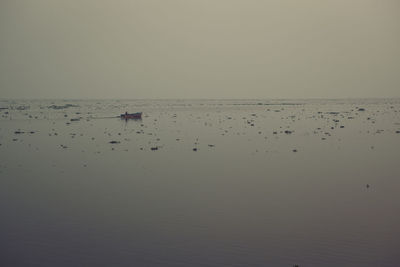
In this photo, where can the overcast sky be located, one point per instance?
(199, 48)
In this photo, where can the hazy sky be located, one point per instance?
(199, 48)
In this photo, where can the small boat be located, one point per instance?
(126, 115)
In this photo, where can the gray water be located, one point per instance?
(228, 183)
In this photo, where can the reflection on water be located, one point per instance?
(200, 183)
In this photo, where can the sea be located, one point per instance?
(253, 182)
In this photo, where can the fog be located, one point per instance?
(199, 49)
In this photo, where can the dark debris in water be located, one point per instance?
(62, 106)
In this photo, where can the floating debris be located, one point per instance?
(63, 106)
(22, 107)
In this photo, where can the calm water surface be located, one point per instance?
(200, 183)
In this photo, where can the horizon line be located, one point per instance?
(272, 98)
